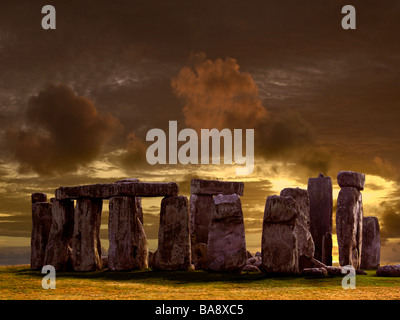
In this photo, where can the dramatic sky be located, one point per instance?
(76, 102)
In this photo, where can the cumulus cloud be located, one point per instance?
(63, 131)
(217, 94)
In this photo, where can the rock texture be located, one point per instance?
(389, 271)
(41, 224)
(314, 272)
(321, 204)
(371, 243)
(201, 210)
(287, 245)
(199, 256)
(250, 268)
(86, 246)
(120, 189)
(38, 197)
(305, 243)
(226, 239)
(58, 250)
(215, 187)
(128, 243)
(351, 179)
(173, 251)
(349, 217)
(279, 243)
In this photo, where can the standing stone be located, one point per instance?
(349, 216)
(279, 242)
(201, 210)
(173, 251)
(58, 250)
(128, 244)
(41, 224)
(371, 243)
(86, 246)
(305, 243)
(321, 203)
(226, 249)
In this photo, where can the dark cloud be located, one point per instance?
(390, 220)
(64, 131)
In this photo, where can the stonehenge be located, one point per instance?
(207, 232)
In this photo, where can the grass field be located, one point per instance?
(19, 282)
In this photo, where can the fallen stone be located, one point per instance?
(128, 243)
(371, 244)
(216, 187)
(41, 224)
(349, 216)
(389, 271)
(360, 272)
(334, 271)
(305, 243)
(257, 254)
(226, 247)
(314, 272)
(126, 189)
(38, 197)
(199, 256)
(201, 210)
(321, 204)
(351, 179)
(86, 245)
(250, 268)
(173, 251)
(58, 250)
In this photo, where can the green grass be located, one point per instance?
(20, 282)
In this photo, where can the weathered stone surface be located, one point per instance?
(201, 210)
(349, 217)
(305, 243)
(38, 197)
(104, 262)
(173, 251)
(41, 224)
(334, 271)
(199, 256)
(287, 245)
(389, 271)
(327, 249)
(128, 243)
(58, 250)
(279, 243)
(250, 268)
(371, 243)
(86, 246)
(216, 187)
(279, 252)
(226, 248)
(314, 272)
(351, 179)
(321, 204)
(120, 189)
(280, 210)
(150, 259)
